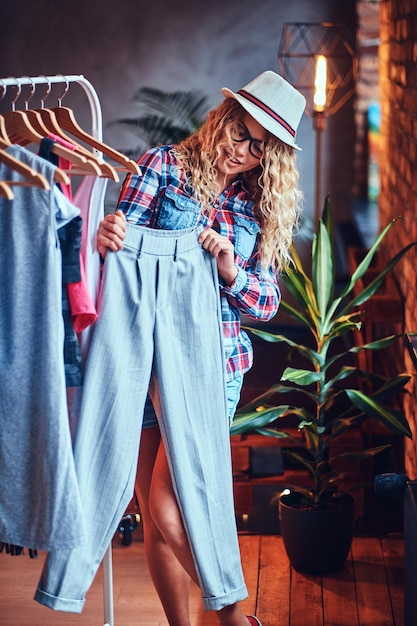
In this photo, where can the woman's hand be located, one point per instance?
(223, 251)
(111, 233)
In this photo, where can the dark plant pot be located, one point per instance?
(317, 541)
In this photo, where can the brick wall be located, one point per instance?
(398, 167)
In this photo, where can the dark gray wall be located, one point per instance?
(186, 44)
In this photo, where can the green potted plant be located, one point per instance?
(165, 117)
(319, 385)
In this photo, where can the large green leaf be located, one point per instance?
(275, 434)
(263, 401)
(391, 386)
(366, 261)
(393, 420)
(300, 377)
(302, 291)
(373, 286)
(327, 219)
(378, 344)
(299, 389)
(331, 331)
(247, 422)
(344, 372)
(360, 455)
(322, 270)
(357, 275)
(300, 284)
(256, 419)
(297, 315)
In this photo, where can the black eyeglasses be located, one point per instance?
(240, 133)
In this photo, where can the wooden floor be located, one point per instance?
(367, 592)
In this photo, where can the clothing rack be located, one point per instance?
(93, 99)
(97, 133)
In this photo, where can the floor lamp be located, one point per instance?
(319, 60)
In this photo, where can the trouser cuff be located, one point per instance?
(59, 604)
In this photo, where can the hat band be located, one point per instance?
(267, 110)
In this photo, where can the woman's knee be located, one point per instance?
(163, 504)
(150, 441)
(168, 522)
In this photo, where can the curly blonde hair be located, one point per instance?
(273, 184)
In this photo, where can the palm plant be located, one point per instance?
(166, 117)
(328, 316)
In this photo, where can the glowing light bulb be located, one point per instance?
(320, 83)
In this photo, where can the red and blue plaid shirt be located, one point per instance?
(161, 198)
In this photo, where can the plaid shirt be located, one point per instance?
(161, 198)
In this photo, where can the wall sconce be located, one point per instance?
(319, 60)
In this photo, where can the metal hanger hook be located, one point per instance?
(32, 91)
(60, 99)
(47, 92)
(19, 91)
(4, 89)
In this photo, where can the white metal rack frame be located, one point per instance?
(93, 99)
(97, 133)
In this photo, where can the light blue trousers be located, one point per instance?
(159, 328)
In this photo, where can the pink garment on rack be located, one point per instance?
(83, 310)
(89, 199)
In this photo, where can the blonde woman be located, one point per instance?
(236, 183)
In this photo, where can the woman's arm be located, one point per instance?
(255, 292)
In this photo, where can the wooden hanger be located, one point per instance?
(3, 133)
(67, 121)
(89, 164)
(51, 124)
(61, 118)
(6, 191)
(33, 177)
(18, 126)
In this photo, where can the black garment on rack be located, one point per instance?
(70, 242)
(10, 548)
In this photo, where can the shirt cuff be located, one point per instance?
(238, 284)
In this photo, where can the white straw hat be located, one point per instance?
(274, 103)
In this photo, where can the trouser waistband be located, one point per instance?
(161, 242)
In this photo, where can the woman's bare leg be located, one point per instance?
(167, 550)
(169, 577)
(166, 515)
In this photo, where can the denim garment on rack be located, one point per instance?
(39, 489)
